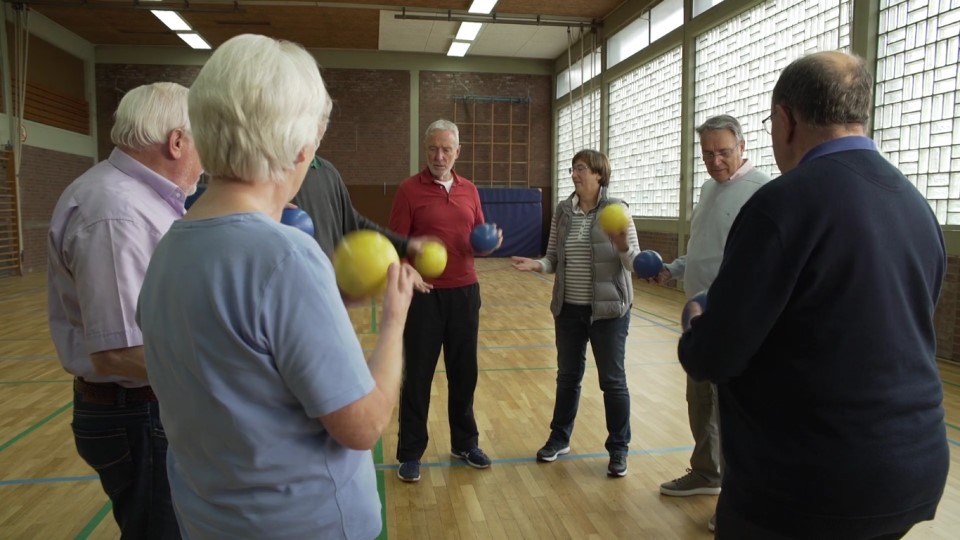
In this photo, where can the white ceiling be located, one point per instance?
(505, 40)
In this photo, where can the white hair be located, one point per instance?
(442, 125)
(147, 114)
(255, 105)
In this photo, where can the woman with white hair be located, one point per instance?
(269, 405)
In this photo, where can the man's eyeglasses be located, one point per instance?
(579, 168)
(723, 154)
(766, 123)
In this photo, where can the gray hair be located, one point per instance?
(147, 114)
(826, 89)
(442, 125)
(255, 105)
(723, 121)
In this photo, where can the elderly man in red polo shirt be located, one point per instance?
(440, 203)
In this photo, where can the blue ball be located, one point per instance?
(484, 238)
(298, 219)
(700, 299)
(647, 264)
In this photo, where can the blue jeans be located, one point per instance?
(608, 339)
(127, 446)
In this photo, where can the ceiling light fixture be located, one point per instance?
(194, 40)
(468, 31)
(482, 6)
(172, 20)
(458, 48)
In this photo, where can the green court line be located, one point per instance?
(954, 426)
(373, 316)
(38, 382)
(32, 428)
(381, 488)
(94, 522)
(950, 383)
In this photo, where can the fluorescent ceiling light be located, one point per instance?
(482, 6)
(468, 31)
(458, 48)
(172, 20)
(195, 41)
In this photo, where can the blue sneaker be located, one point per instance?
(409, 471)
(474, 458)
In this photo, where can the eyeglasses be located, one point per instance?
(723, 154)
(579, 168)
(767, 123)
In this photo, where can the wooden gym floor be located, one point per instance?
(46, 491)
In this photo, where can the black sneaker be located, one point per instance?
(618, 465)
(409, 471)
(474, 458)
(552, 450)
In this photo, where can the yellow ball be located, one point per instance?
(613, 218)
(432, 260)
(361, 261)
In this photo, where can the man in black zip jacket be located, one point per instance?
(819, 329)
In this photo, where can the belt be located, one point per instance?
(111, 393)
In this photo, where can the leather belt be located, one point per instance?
(111, 393)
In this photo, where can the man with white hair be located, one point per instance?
(103, 232)
(440, 203)
(733, 180)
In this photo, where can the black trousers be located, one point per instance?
(447, 319)
(731, 525)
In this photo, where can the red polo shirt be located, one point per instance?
(424, 208)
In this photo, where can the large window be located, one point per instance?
(917, 110)
(644, 139)
(578, 127)
(579, 73)
(738, 62)
(649, 27)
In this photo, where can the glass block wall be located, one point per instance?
(916, 106)
(578, 127)
(738, 63)
(644, 137)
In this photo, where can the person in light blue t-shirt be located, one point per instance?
(269, 405)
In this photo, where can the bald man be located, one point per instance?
(819, 329)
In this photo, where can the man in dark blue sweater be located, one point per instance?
(819, 329)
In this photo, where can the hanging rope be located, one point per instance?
(593, 70)
(583, 101)
(21, 46)
(570, 87)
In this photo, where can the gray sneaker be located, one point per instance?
(689, 484)
(618, 465)
(552, 450)
(409, 471)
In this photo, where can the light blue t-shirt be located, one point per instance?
(247, 342)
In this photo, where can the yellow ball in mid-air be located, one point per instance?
(361, 261)
(432, 261)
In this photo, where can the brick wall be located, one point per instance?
(368, 138)
(437, 90)
(43, 176)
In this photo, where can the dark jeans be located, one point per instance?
(608, 339)
(127, 446)
(447, 318)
